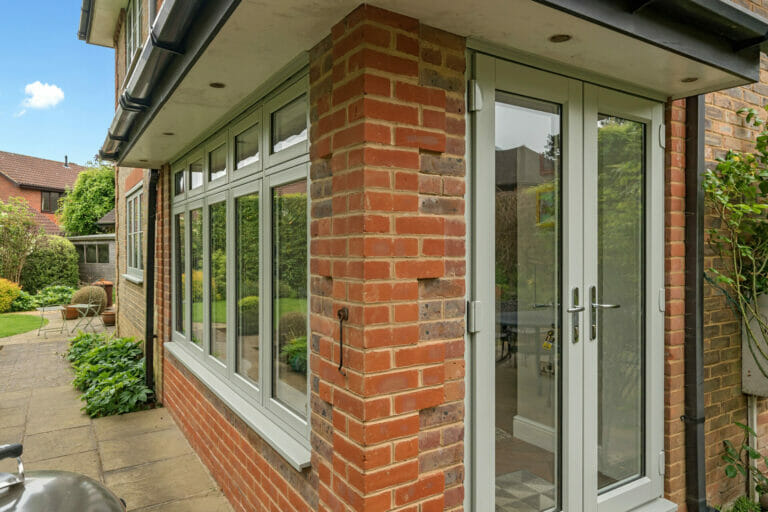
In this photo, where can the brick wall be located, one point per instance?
(388, 242)
(674, 317)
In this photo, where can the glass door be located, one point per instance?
(527, 193)
(567, 331)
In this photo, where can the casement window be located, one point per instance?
(50, 201)
(240, 267)
(134, 234)
(132, 32)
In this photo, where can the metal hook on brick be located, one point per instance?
(343, 314)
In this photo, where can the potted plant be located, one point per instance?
(737, 192)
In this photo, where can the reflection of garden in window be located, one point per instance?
(247, 236)
(196, 269)
(218, 280)
(181, 273)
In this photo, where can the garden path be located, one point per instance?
(142, 457)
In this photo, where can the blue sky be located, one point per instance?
(38, 43)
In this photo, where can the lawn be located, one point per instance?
(11, 324)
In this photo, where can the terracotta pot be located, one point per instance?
(764, 501)
(108, 316)
(70, 313)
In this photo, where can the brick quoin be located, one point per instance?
(388, 243)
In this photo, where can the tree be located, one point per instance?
(19, 235)
(92, 197)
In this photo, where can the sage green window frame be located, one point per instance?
(134, 234)
(281, 427)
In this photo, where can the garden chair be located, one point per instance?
(43, 310)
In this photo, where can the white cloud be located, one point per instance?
(40, 95)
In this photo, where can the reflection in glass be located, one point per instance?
(289, 294)
(289, 124)
(103, 253)
(247, 236)
(90, 253)
(178, 182)
(217, 162)
(621, 146)
(196, 174)
(218, 284)
(181, 275)
(527, 287)
(196, 269)
(247, 147)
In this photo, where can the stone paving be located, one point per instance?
(142, 457)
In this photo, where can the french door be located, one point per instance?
(566, 294)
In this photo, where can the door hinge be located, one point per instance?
(662, 136)
(662, 300)
(475, 96)
(662, 463)
(474, 316)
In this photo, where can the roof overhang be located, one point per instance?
(660, 49)
(98, 20)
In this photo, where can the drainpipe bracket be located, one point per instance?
(694, 420)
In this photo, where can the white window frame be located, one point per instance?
(134, 235)
(286, 431)
(132, 34)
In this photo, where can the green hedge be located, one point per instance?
(53, 262)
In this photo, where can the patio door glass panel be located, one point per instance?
(527, 312)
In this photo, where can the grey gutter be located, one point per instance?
(86, 13)
(695, 409)
(181, 32)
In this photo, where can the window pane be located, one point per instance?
(181, 276)
(621, 349)
(217, 162)
(196, 269)
(103, 253)
(289, 295)
(178, 180)
(80, 253)
(289, 124)
(196, 174)
(247, 227)
(90, 254)
(218, 284)
(247, 147)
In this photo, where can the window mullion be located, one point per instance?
(265, 291)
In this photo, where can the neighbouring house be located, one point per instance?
(40, 182)
(96, 256)
(106, 224)
(429, 255)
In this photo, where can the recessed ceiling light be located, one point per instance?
(560, 38)
(689, 79)
(168, 133)
(217, 85)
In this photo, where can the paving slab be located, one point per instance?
(58, 443)
(115, 427)
(131, 451)
(86, 463)
(160, 482)
(215, 503)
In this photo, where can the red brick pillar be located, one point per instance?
(388, 241)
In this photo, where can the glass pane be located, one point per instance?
(527, 288)
(218, 285)
(181, 275)
(289, 124)
(247, 147)
(103, 253)
(247, 227)
(196, 269)
(90, 254)
(289, 294)
(217, 162)
(621, 241)
(80, 253)
(178, 180)
(196, 174)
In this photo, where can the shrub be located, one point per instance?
(54, 295)
(23, 302)
(292, 325)
(52, 262)
(110, 372)
(91, 294)
(249, 314)
(743, 504)
(295, 353)
(8, 293)
(92, 197)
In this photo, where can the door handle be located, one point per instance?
(575, 309)
(594, 306)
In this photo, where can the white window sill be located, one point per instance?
(133, 279)
(296, 453)
(657, 505)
